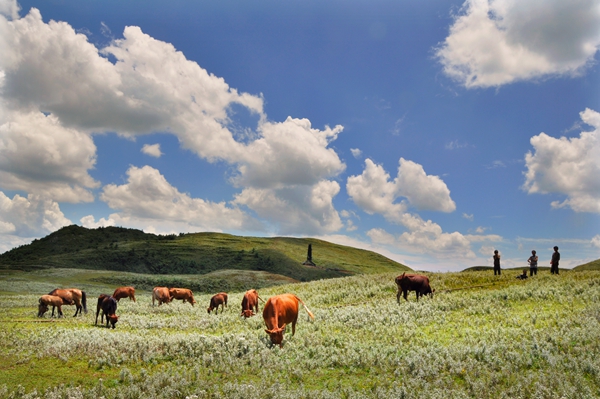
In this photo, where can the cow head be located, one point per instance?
(276, 335)
(209, 309)
(247, 313)
(113, 318)
(43, 308)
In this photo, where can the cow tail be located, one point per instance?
(260, 298)
(312, 316)
(84, 301)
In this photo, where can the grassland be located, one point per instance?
(480, 336)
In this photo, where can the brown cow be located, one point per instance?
(279, 311)
(108, 305)
(186, 295)
(216, 300)
(124, 292)
(413, 282)
(72, 296)
(47, 300)
(161, 294)
(250, 303)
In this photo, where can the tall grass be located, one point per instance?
(480, 336)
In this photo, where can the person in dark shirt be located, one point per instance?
(533, 260)
(496, 263)
(554, 261)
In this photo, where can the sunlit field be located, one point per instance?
(479, 337)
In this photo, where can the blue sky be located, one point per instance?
(431, 132)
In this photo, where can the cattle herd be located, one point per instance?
(278, 311)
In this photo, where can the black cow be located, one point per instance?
(108, 305)
(413, 282)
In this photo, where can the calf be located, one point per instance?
(47, 300)
(124, 292)
(108, 305)
(413, 282)
(182, 293)
(250, 303)
(279, 311)
(161, 294)
(216, 300)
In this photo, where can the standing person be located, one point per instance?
(533, 259)
(496, 263)
(554, 261)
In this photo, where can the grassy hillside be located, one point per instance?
(130, 250)
(593, 265)
(481, 336)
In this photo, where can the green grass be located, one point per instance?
(480, 336)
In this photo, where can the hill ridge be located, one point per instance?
(132, 250)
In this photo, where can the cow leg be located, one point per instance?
(398, 296)
(405, 294)
(60, 313)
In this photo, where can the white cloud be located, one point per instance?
(375, 193)
(296, 209)
(153, 87)
(39, 156)
(468, 217)
(496, 42)
(356, 152)
(152, 149)
(568, 166)
(9, 8)
(423, 191)
(289, 153)
(147, 197)
(90, 222)
(596, 241)
(31, 216)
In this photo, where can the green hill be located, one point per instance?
(593, 265)
(130, 250)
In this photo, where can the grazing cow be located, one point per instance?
(279, 311)
(108, 305)
(161, 294)
(47, 300)
(216, 300)
(72, 296)
(413, 282)
(124, 292)
(250, 303)
(182, 293)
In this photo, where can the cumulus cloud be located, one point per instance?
(469, 217)
(152, 149)
(496, 42)
(596, 241)
(374, 192)
(51, 71)
(39, 156)
(148, 197)
(568, 166)
(30, 216)
(296, 209)
(90, 222)
(9, 8)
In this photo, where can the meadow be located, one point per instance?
(480, 336)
